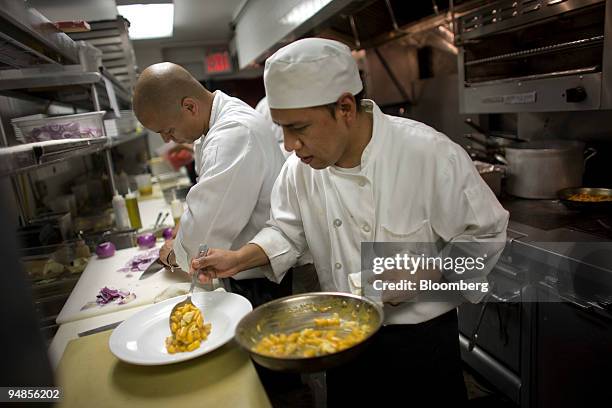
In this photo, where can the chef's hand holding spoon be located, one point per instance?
(216, 263)
(222, 263)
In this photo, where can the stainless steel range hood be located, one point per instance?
(263, 27)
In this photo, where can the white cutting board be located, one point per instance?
(103, 272)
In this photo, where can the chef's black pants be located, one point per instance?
(408, 365)
(261, 290)
(279, 386)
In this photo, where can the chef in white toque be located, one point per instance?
(359, 175)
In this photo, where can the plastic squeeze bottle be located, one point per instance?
(122, 220)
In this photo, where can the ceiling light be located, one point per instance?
(303, 11)
(149, 20)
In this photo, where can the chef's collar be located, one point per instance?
(215, 109)
(378, 127)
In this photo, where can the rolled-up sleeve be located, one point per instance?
(221, 203)
(283, 240)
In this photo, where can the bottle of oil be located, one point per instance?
(131, 204)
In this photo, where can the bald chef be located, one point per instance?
(236, 159)
(360, 175)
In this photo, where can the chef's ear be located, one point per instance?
(190, 105)
(347, 106)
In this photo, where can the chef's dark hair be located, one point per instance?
(331, 107)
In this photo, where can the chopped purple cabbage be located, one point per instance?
(107, 295)
(69, 130)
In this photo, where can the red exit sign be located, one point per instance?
(218, 62)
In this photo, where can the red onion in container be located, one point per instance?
(146, 241)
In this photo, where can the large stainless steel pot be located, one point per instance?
(540, 169)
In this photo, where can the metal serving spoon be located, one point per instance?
(202, 251)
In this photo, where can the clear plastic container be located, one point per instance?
(38, 128)
(145, 186)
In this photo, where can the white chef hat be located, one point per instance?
(310, 72)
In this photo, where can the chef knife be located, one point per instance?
(99, 329)
(152, 269)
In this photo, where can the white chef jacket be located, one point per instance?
(237, 162)
(413, 185)
(263, 108)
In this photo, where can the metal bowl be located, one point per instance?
(565, 194)
(294, 313)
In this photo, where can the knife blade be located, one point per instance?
(99, 329)
(155, 267)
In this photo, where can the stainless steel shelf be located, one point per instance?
(26, 157)
(38, 60)
(31, 156)
(111, 37)
(49, 76)
(35, 57)
(66, 84)
(28, 26)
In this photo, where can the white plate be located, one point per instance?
(141, 338)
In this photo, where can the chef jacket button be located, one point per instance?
(338, 265)
(366, 227)
(337, 222)
(362, 183)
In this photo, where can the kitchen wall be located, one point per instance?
(588, 126)
(425, 86)
(147, 55)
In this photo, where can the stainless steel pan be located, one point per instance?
(297, 312)
(595, 206)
